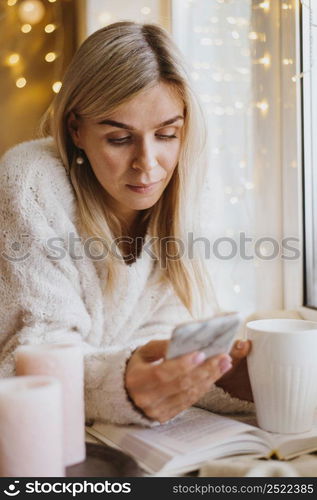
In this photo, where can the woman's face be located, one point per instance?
(139, 144)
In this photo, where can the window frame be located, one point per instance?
(309, 156)
(296, 280)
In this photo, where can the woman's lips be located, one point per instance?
(143, 188)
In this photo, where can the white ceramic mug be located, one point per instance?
(282, 367)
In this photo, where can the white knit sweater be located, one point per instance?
(45, 300)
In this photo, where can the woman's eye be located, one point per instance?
(122, 140)
(127, 139)
(167, 137)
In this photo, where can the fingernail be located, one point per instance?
(224, 365)
(198, 358)
(240, 344)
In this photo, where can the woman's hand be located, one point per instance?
(162, 389)
(236, 381)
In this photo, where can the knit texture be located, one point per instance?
(48, 294)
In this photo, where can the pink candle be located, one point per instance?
(64, 361)
(31, 437)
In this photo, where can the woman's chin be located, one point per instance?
(143, 202)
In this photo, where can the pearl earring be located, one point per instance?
(80, 160)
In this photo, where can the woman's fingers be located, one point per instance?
(147, 376)
(171, 376)
(171, 406)
(183, 386)
(240, 349)
(160, 388)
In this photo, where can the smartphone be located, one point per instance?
(212, 336)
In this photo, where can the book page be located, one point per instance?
(292, 445)
(288, 445)
(193, 429)
(191, 437)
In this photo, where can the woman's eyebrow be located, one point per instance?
(130, 127)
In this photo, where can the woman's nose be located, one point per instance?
(144, 165)
(145, 158)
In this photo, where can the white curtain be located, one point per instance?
(232, 49)
(99, 13)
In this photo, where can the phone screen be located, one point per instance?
(213, 336)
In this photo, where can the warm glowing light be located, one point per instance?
(286, 6)
(56, 87)
(234, 200)
(286, 62)
(104, 18)
(265, 5)
(298, 76)
(263, 106)
(50, 57)
(31, 11)
(52, 1)
(253, 35)
(13, 59)
(265, 60)
(49, 28)
(145, 10)
(11, 2)
(20, 82)
(26, 28)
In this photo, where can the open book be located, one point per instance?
(197, 435)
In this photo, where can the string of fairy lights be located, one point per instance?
(229, 25)
(31, 13)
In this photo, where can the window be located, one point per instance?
(309, 134)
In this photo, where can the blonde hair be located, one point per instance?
(112, 66)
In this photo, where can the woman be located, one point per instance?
(93, 223)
